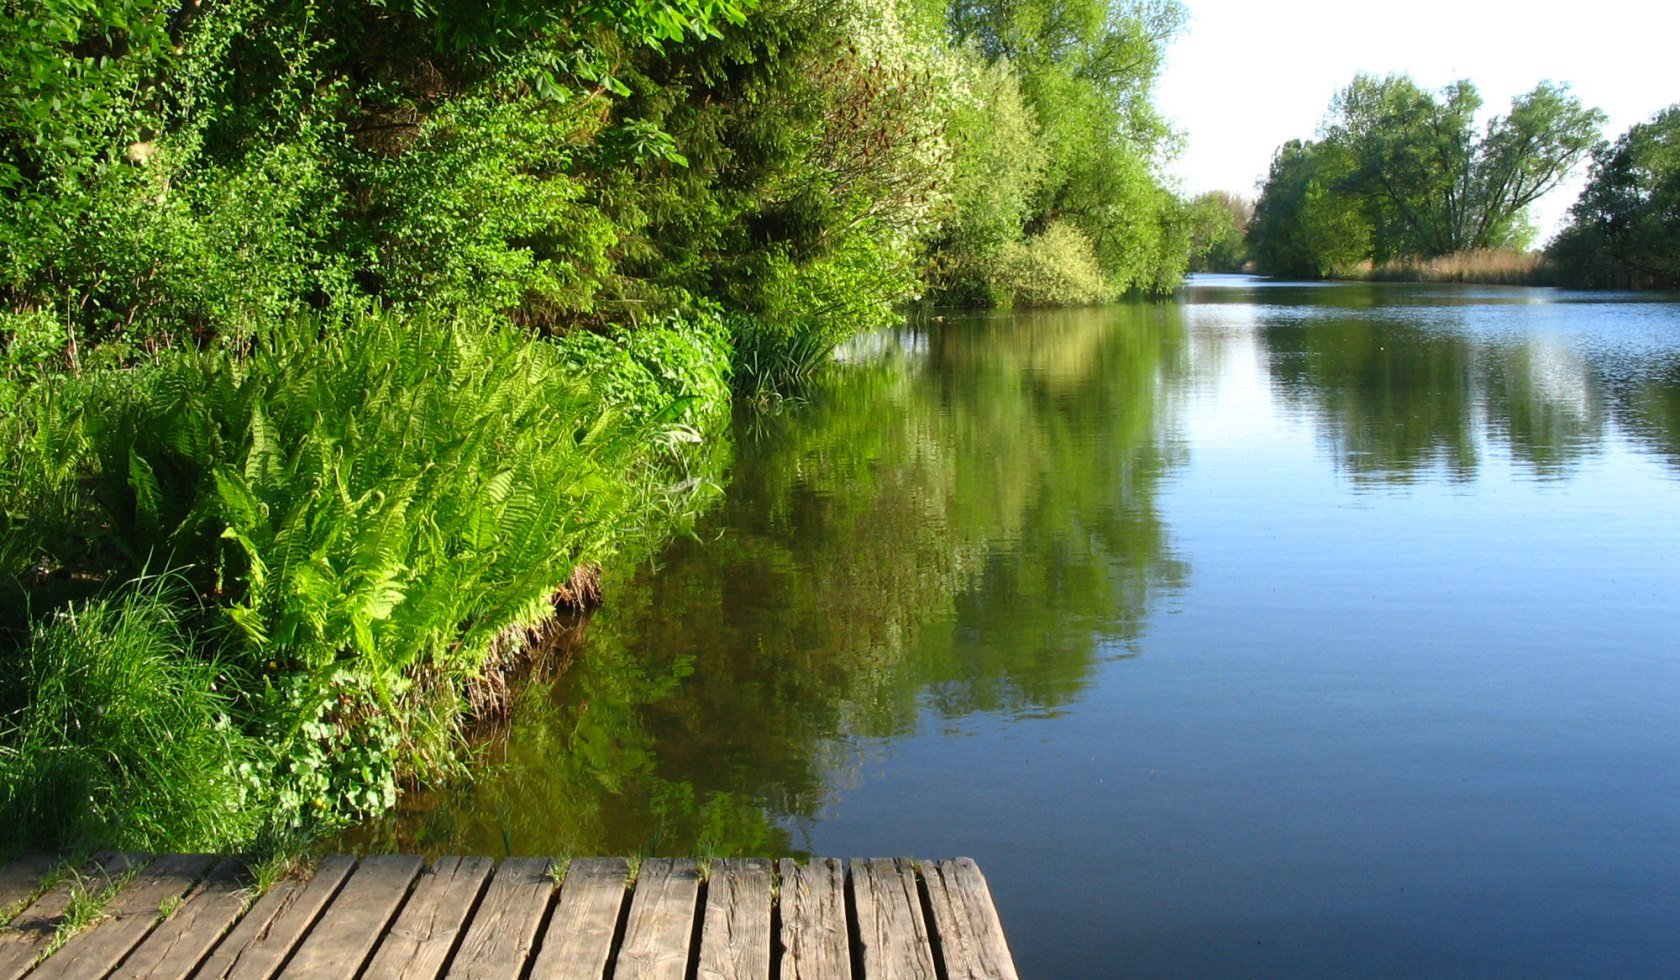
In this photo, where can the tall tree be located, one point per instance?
(1303, 225)
(1433, 185)
(1625, 228)
(1087, 69)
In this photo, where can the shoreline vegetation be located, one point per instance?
(1489, 267)
(343, 344)
(1401, 185)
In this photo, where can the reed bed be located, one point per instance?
(1493, 267)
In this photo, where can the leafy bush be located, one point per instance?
(331, 752)
(1056, 268)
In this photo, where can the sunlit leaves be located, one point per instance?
(1625, 229)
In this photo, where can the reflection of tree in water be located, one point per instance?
(1542, 402)
(1397, 398)
(1646, 401)
(1393, 398)
(965, 521)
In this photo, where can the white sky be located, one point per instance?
(1249, 74)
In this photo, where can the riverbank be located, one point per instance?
(337, 346)
(257, 592)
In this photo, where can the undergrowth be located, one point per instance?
(359, 522)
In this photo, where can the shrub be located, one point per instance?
(1056, 268)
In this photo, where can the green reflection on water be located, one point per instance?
(963, 519)
(1418, 390)
(967, 517)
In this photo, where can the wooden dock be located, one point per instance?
(192, 915)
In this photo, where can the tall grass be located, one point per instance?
(1496, 267)
(771, 368)
(116, 733)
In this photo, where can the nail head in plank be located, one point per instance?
(661, 923)
(735, 931)
(971, 941)
(814, 936)
(32, 930)
(579, 939)
(350, 927)
(129, 916)
(892, 933)
(262, 940)
(182, 939)
(504, 929)
(419, 942)
(20, 882)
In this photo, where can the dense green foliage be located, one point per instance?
(1625, 229)
(1401, 172)
(1304, 226)
(375, 328)
(372, 518)
(1218, 228)
(1062, 163)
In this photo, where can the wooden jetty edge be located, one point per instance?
(391, 916)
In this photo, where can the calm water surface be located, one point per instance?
(1285, 629)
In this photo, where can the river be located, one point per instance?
(1282, 629)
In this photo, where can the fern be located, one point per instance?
(374, 502)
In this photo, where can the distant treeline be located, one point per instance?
(1402, 184)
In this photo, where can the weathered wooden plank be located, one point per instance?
(419, 943)
(262, 940)
(895, 937)
(182, 939)
(350, 927)
(814, 939)
(661, 922)
(579, 939)
(20, 882)
(965, 923)
(32, 930)
(735, 933)
(129, 916)
(892, 933)
(504, 929)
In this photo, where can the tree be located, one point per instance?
(1625, 228)
(1304, 225)
(1218, 222)
(1431, 186)
(1086, 70)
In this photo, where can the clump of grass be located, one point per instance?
(1494, 267)
(89, 897)
(115, 734)
(772, 369)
